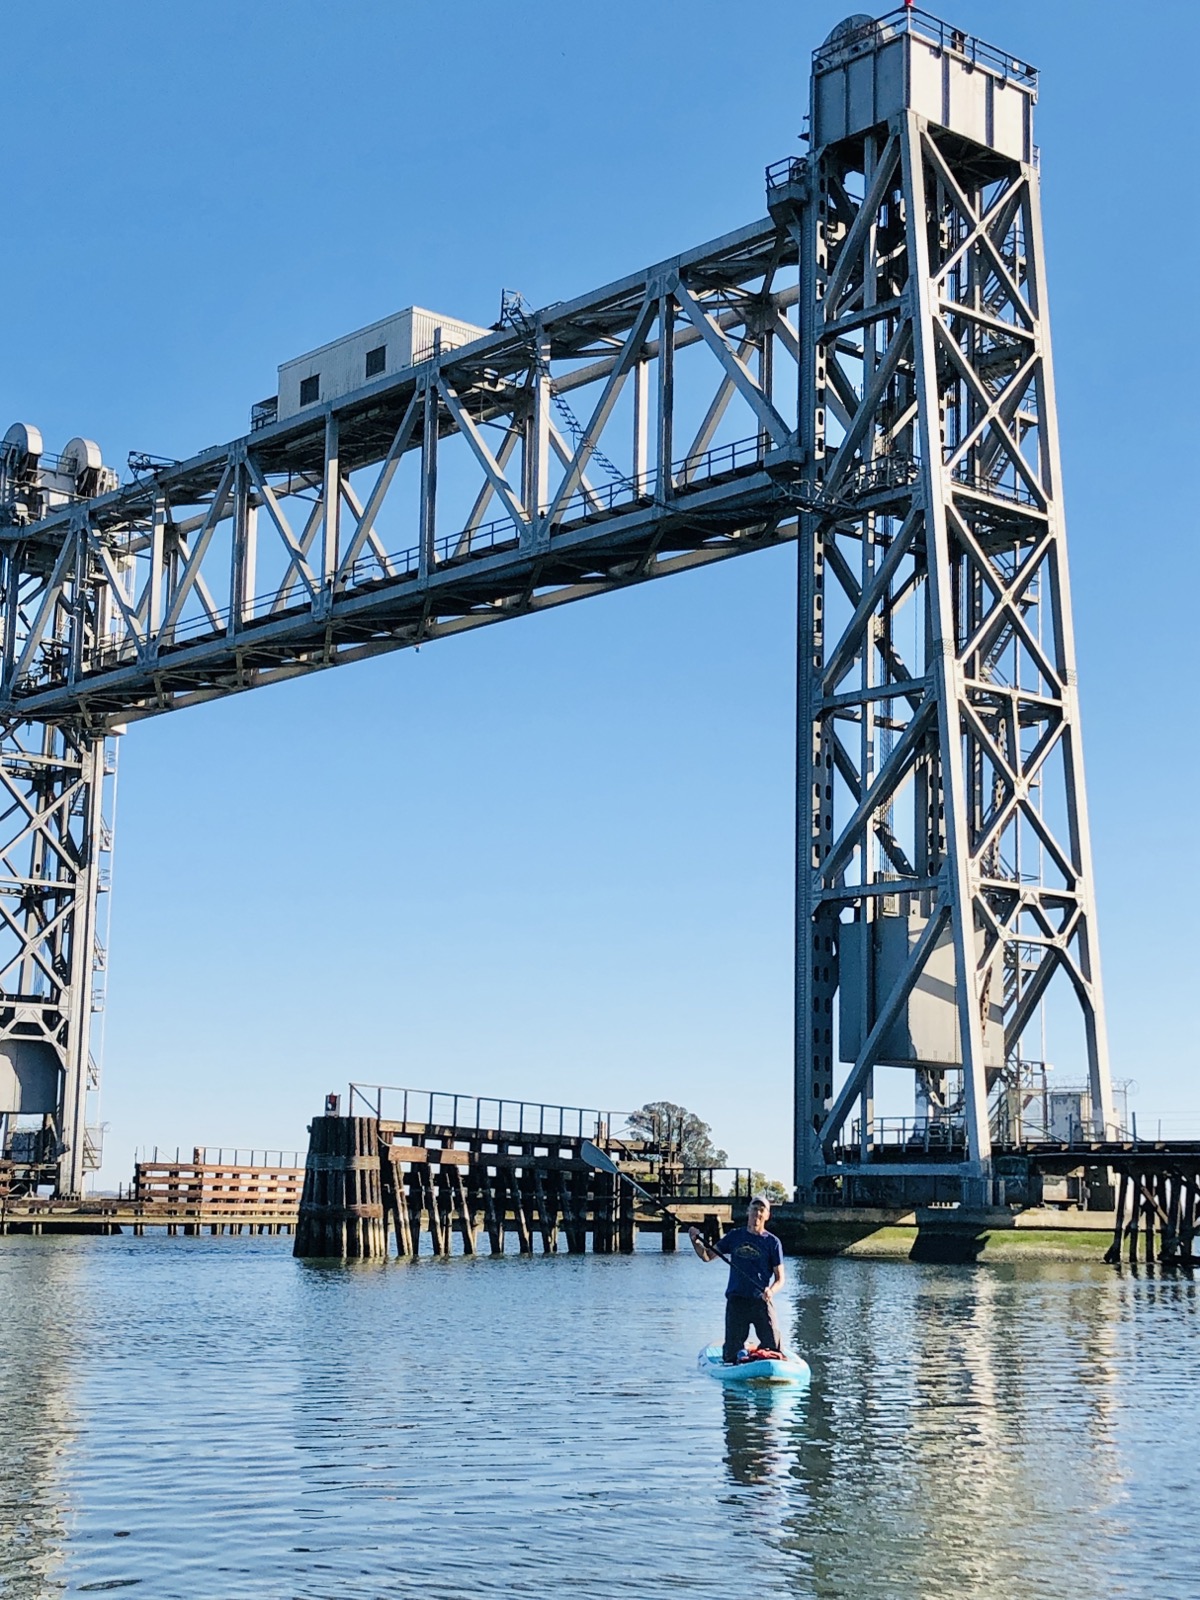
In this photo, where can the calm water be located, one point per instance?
(210, 1419)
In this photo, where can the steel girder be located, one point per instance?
(940, 769)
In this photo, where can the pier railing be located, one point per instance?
(218, 1193)
(703, 1183)
(480, 1113)
(223, 1156)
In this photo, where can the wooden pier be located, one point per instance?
(1151, 1186)
(206, 1195)
(375, 1186)
(1158, 1209)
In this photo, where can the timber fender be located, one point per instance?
(341, 1208)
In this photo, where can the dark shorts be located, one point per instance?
(742, 1314)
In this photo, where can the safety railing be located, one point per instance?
(204, 1155)
(705, 1183)
(739, 455)
(787, 172)
(918, 1134)
(924, 25)
(482, 1113)
(1018, 493)
(884, 472)
(263, 413)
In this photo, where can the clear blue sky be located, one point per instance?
(553, 859)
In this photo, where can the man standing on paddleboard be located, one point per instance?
(755, 1261)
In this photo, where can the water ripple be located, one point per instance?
(202, 1419)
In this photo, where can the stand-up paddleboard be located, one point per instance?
(788, 1369)
(791, 1369)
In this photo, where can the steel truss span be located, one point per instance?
(271, 556)
(866, 369)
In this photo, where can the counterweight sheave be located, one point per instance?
(944, 872)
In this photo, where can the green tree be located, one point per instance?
(664, 1123)
(770, 1188)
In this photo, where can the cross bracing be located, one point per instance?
(867, 372)
(941, 780)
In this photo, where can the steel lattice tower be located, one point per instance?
(944, 870)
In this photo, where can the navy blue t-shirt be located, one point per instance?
(757, 1255)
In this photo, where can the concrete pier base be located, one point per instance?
(947, 1233)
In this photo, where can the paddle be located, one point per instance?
(595, 1157)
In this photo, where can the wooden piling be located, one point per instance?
(460, 1202)
(1187, 1221)
(1135, 1216)
(1148, 1215)
(521, 1221)
(414, 1201)
(547, 1213)
(566, 1195)
(626, 1223)
(1113, 1253)
(603, 1207)
(438, 1230)
(395, 1204)
(1172, 1183)
(577, 1223)
(493, 1211)
(341, 1208)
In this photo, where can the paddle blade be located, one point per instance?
(595, 1157)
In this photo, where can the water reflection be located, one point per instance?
(37, 1423)
(960, 1422)
(760, 1426)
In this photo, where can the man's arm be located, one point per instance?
(699, 1246)
(777, 1273)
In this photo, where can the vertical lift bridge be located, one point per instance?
(865, 371)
